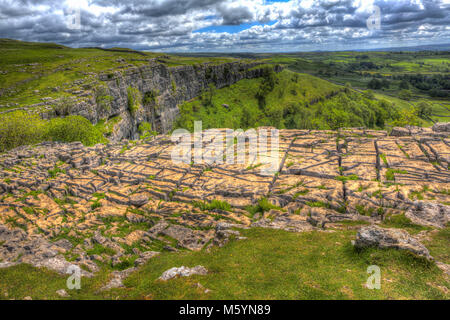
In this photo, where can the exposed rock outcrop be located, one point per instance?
(119, 204)
(442, 127)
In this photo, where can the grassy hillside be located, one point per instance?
(32, 71)
(286, 100)
(424, 76)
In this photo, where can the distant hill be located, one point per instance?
(432, 47)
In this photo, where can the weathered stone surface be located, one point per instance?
(131, 200)
(144, 257)
(390, 238)
(400, 132)
(139, 200)
(117, 278)
(442, 127)
(183, 272)
(62, 293)
(429, 214)
(284, 223)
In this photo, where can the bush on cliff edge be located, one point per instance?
(20, 128)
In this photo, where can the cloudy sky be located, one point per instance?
(228, 25)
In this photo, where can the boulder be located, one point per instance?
(373, 236)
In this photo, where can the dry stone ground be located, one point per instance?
(123, 203)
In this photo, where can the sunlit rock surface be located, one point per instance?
(123, 203)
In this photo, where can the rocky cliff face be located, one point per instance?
(152, 93)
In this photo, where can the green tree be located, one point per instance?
(424, 110)
(404, 85)
(405, 95)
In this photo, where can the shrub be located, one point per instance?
(145, 130)
(424, 110)
(134, 100)
(174, 86)
(267, 85)
(150, 97)
(263, 206)
(407, 117)
(405, 95)
(64, 106)
(19, 128)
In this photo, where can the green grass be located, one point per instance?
(271, 264)
(262, 206)
(352, 177)
(317, 204)
(98, 249)
(53, 173)
(402, 222)
(439, 244)
(390, 173)
(214, 204)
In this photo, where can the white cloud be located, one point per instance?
(169, 25)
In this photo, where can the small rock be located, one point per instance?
(201, 287)
(138, 200)
(183, 272)
(170, 248)
(444, 267)
(27, 298)
(117, 277)
(62, 293)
